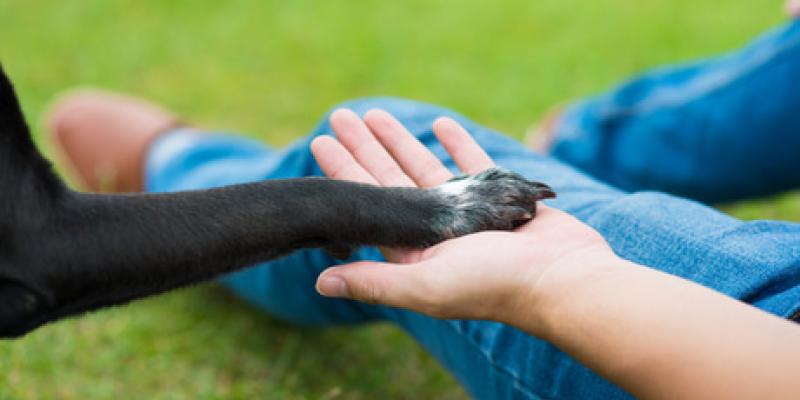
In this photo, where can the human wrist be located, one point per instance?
(549, 298)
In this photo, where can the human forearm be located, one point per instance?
(659, 336)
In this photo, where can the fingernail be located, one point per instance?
(332, 286)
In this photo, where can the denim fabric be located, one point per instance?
(758, 262)
(717, 130)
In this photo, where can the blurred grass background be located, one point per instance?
(270, 69)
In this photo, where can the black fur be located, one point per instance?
(63, 252)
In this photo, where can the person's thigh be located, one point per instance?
(717, 130)
(757, 262)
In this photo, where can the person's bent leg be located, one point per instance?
(487, 358)
(718, 130)
(757, 262)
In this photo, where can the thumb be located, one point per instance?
(396, 285)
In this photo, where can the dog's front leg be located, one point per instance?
(91, 251)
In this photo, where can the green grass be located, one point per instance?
(270, 69)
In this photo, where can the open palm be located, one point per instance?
(483, 275)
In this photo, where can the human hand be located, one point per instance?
(488, 275)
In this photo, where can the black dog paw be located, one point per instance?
(495, 199)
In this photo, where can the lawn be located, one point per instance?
(270, 69)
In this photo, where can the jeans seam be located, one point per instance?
(518, 383)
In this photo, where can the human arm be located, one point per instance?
(660, 336)
(654, 334)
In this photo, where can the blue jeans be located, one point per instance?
(757, 262)
(718, 130)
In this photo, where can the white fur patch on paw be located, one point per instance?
(495, 199)
(458, 189)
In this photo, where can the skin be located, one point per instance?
(557, 279)
(793, 8)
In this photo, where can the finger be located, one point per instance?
(468, 154)
(337, 163)
(357, 138)
(412, 156)
(373, 282)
